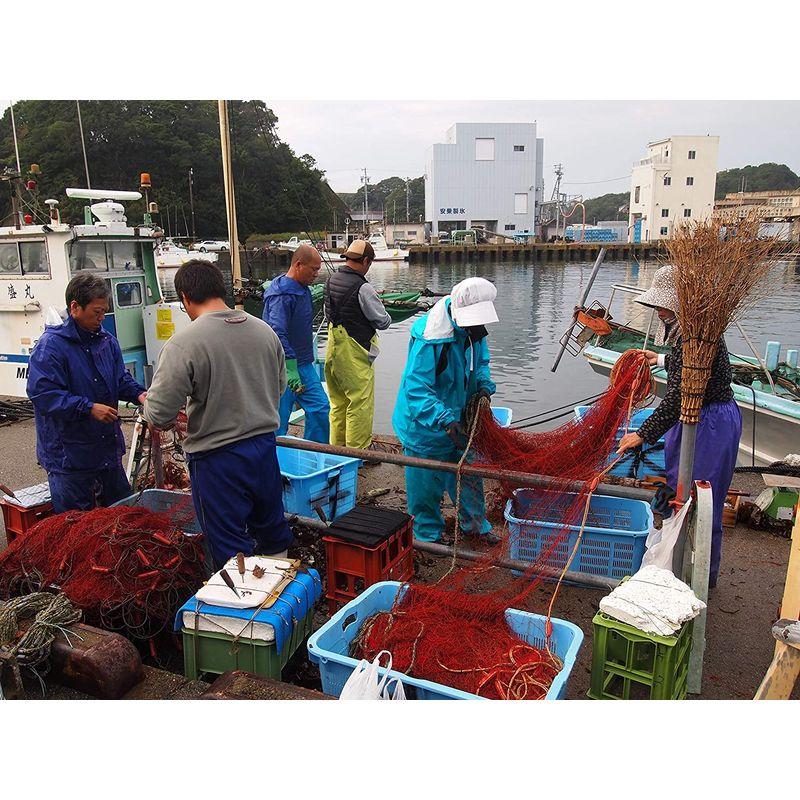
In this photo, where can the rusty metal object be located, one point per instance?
(241, 685)
(96, 662)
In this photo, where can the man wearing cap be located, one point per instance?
(289, 311)
(448, 363)
(355, 313)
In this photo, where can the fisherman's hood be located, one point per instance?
(69, 330)
(283, 284)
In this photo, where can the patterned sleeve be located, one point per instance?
(669, 410)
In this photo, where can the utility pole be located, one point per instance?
(365, 181)
(407, 199)
(191, 200)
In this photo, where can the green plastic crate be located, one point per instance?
(216, 653)
(628, 664)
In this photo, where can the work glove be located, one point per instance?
(457, 434)
(293, 376)
(484, 392)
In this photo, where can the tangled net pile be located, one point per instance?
(456, 634)
(127, 568)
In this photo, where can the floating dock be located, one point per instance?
(558, 252)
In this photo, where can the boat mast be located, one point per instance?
(230, 200)
(14, 131)
(83, 146)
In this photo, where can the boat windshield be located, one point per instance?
(106, 256)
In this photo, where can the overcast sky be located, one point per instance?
(595, 141)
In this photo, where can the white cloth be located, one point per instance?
(439, 325)
(654, 601)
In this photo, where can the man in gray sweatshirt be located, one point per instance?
(228, 369)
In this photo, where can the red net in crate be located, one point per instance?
(127, 568)
(367, 545)
(455, 632)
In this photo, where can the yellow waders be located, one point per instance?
(350, 379)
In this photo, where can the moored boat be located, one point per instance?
(770, 403)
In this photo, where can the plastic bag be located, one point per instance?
(364, 682)
(661, 543)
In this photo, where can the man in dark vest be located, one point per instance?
(355, 313)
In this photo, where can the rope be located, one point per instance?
(52, 613)
(483, 401)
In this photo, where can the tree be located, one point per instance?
(763, 178)
(275, 189)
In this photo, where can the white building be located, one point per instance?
(410, 232)
(487, 175)
(674, 183)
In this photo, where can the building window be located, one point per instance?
(664, 231)
(690, 181)
(687, 212)
(519, 148)
(511, 227)
(692, 154)
(521, 203)
(667, 180)
(664, 212)
(636, 192)
(484, 149)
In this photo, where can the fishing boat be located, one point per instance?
(38, 259)
(382, 250)
(294, 243)
(170, 256)
(766, 390)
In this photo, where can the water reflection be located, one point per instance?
(535, 304)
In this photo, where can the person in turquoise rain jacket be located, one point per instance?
(448, 363)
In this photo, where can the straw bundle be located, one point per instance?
(719, 270)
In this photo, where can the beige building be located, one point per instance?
(411, 232)
(675, 183)
(779, 210)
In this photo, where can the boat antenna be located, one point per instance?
(83, 146)
(14, 131)
(313, 235)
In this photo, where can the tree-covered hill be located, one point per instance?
(275, 189)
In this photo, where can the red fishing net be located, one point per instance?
(128, 568)
(455, 632)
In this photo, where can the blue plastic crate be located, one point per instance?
(329, 646)
(647, 460)
(613, 541)
(502, 415)
(315, 480)
(165, 500)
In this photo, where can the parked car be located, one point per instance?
(211, 246)
(444, 236)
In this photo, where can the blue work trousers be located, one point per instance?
(238, 499)
(83, 491)
(313, 401)
(717, 446)
(425, 489)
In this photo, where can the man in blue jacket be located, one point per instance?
(76, 379)
(448, 363)
(289, 311)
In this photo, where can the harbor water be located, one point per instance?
(534, 304)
